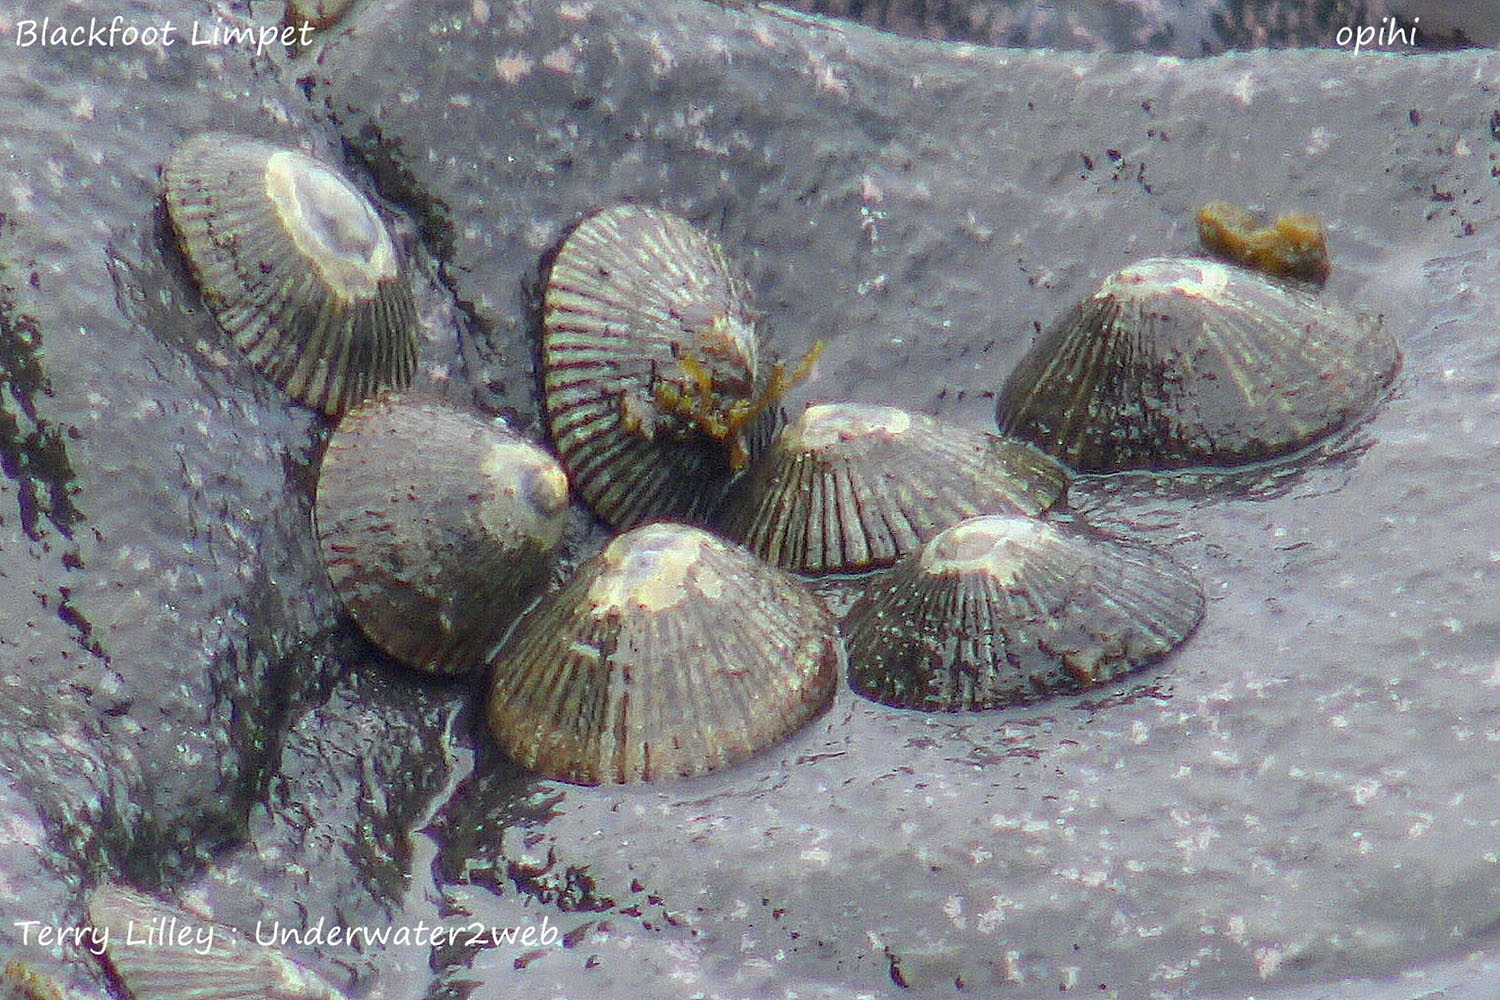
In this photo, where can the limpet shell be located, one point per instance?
(651, 364)
(1003, 609)
(671, 653)
(296, 266)
(1183, 362)
(851, 486)
(162, 952)
(437, 528)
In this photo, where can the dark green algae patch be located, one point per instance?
(33, 452)
(1303, 796)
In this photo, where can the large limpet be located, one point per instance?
(437, 528)
(1175, 363)
(297, 267)
(161, 952)
(671, 653)
(1003, 608)
(852, 486)
(652, 376)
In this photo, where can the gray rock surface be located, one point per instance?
(1301, 803)
(1195, 29)
(1179, 29)
(165, 612)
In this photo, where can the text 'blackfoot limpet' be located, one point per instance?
(296, 265)
(671, 653)
(1002, 609)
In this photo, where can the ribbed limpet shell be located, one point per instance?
(1175, 363)
(1003, 609)
(437, 528)
(851, 486)
(651, 360)
(296, 265)
(671, 653)
(162, 952)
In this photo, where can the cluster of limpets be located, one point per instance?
(692, 640)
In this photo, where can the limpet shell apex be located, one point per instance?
(296, 266)
(437, 528)
(1003, 609)
(671, 653)
(851, 486)
(1183, 362)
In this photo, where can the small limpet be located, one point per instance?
(1003, 609)
(652, 374)
(1183, 362)
(296, 266)
(162, 952)
(1294, 246)
(852, 486)
(669, 654)
(437, 528)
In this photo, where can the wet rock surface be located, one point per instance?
(1182, 29)
(1300, 803)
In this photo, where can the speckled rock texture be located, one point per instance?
(1184, 29)
(1300, 803)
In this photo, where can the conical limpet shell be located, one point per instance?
(651, 357)
(671, 653)
(851, 486)
(1176, 363)
(297, 267)
(161, 952)
(1004, 609)
(437, 528)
